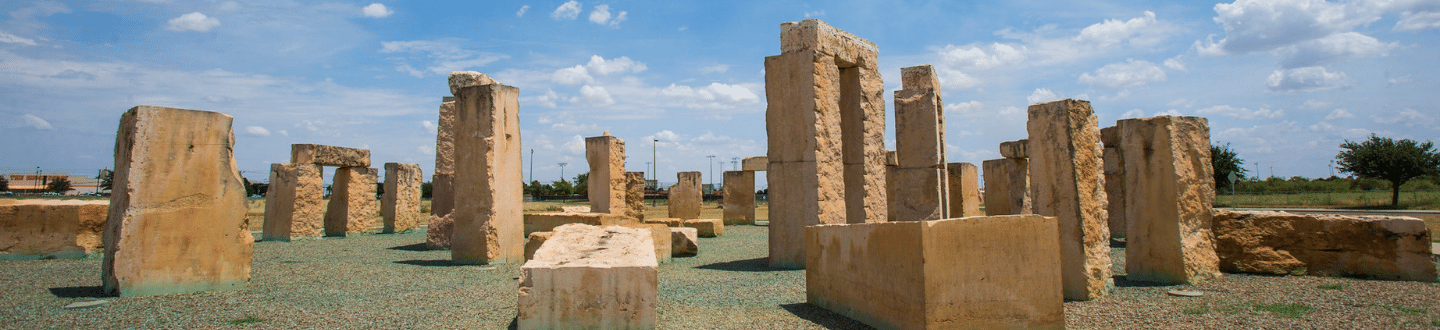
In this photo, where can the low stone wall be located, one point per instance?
(1372, 247)
(536, 222)
(47, 229)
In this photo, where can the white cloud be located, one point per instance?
(1176, 64)
(576, 145)
(599, 66)
(714, 96)
(35, 122)
(976, 57)
(1111, 32)
(1410, 118)
(1412, 21)
(572, 127)
(429, 126)
(1307, 79)
(601, 15)
(1133, 113)
(14, 39)
(444, 55)
(968, 108)
(257, 131)
(1171, 112)
(1339, 113)
(193, 22)
(594, 96)
(571, 76)
(1242, 113)
(1314, 104)
(1330, 49)
(810, 14)
(521, 12)
(1260, 25)
(1400, 80)
(955, 79)
(377, 10)
(718, 68)
(548, 100)
(1188, 103)
(568, 10)
(1121, 75)
(1042, 95)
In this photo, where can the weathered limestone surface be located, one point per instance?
(1015, 149)
(660, 234)
(1169, 200)
(535, 222)
(1372, 247)
(294, 203)
(892, 165)
(575, 209)
(757, 163)
(437, 235)
(177, 213)
(47, 229)
(942, 274)
(684, 242)
(462, 79)
(1007, 186)
(401, 205)
(587, 277)
(1067, 181)
(607, 185)
(825, 121)
(921, 189)
(442, 194)
(1114, 180)
(329, 155)
(534, 241)
(671, 222)
(489, 225)
(685, 196)
(964, 186)
(707, 227)
(739, 198)
(635, 195)
(445, 137)
(352, 206)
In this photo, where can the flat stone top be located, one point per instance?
(919, 77)
(1397, 224)
(4, 202)
(1015, 149)
(580, 245)
(462, 79)
(329, 155)
(813, 34)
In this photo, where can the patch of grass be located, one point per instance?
(248, 319)
(289, 262)
(1202, 310)
(1286, 310)
(1411, 311)
(1435, 322)
(1332, 286)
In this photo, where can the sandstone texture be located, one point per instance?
(1114, 180)
(177, 213)
(352, 206)
(534, 241)
(1015, 149)
(685, 196)
(739, 200)
(329, 155)
(48, 229)
(660, 234)
(757, 163)
(684, 242)
(669, 222)
(1371, 247)
(445, 138)
(442, 194)
(707, 227)
(1007, 186)
(462, 79)
(489, 225)
(437, 235)
(1169, 197)
(575, 209)
(1067, 182)
(608, 184)
(822, 172)
(943, 274)
(587, 277)
(294, 203)
(964, 186)
(536, 222)
(635, 195)
(400, 206)
(921, 191)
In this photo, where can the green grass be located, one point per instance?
(248, 319)
(1333, 286)
(1411, 311)
(1202, 310)
(1286, 310)
(1409, 200)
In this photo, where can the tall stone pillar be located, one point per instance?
(294, 202)
(1115, 180)
(607, 184)
(177, 217)
(635, 195)
(739, 198)
(401, 205)
(352, 206)
(826, 127)
(1007, 186)
(1067, 181)
(922, 188)
(1170, 192)
(964, 186)
(685, 196)
(442, 187)
(488, 221)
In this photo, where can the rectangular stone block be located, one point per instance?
(442, 194)
(1114, 180)
(685, 196)
(635, 195)
(661, 235)
(757, 163)
(607, 183)
(445, 138)
(1015, 149)
(352, 208)
(671, 222)
(612, 270)
(684, 242)
(329, 155)
(294, 202)
(437, 235)
(177, 215)
(921, 194)
(792, 208)
(964, 186)
(919, 119)
(1279, 243)
(534, 241)
(49, 229)
(1169, 200)
(400, 207)
(1007, 186)
(1067, 181)
(739, 198)
(489, 225)
(707, 227)
(892, 184)
(942, 274)
(536, 222)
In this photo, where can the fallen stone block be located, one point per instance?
(1279, 243)
(670, 222)
(534, 241)
(294, 203)
(329, 155)
(587, 277)
(661, 235)
(50, 229)
(707, 227)
(684, 242)
(575, 209)
(941, 274)
(546, 221)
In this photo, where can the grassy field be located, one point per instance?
(1379, 200)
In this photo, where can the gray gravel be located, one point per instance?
(386, 281)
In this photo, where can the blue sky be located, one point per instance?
(1284, 82)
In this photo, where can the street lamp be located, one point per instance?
(562, 171)
(712, 171)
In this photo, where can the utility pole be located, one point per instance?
(532, 166)
(562, 171)
(712, 171)
(734, 163)
(655, 157)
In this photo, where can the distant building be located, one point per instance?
(35, 183)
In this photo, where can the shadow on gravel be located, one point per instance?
(747, 265)
(823, 317)
(79, 292)
(417, 247)
(1117, 243)
(428, 263)
(1120, 281)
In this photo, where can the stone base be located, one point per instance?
(671, 222)
(707, 227)
(942, 274)
(1372, 247)
(587, 277)
(535, 222)
(45, 229)
(684, 242)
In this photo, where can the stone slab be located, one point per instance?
(684, 242)
(400, 207)
(919, 119)
(635, 195)
(329, 155)
(1168, 200)
(612, 270)
(757, 163)
(294, 202)
(489, 226)
(739, 200)
(534, 241)
(437, 234)
(461, 79)
(921, 194)
(707, 227)
(575, 209)
(964, 186)
(1280, 243)
(1007, 186)
(1067, 181)
(50, 229)
(352, 208)
(670, 222)
(537, 222)
(1015, 149)
(942, 274)
(660, 234)
(607, 182)
(177, 213)
(445, 138)
(685, 196)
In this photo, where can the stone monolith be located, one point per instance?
(739, 198)
(294, 202)
(488, 226)
(1007, 186)
(964, 186)
(1067, 181)
(353, 208)
(921, 191)
(607, 184)
(635, 195)
(401, 205)
(685, 196)
(1114, 180)
(1168, 199)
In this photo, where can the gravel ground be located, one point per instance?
(389, 281)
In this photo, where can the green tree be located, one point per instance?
(249, 188)
(107, 179)
(59, 185)
(582, 184)
(1390, 160)
(1225, 161)
(427, 189)
(4, 183)
(562, 187)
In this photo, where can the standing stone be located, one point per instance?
(401, 205)
(607, 183)
(757, 163)
(1007, 186)
(294, 202)
(1169, 198)
(442, 187)
(826, 128)
(177, 216)
(739, 198)
(892, 164)
(587, 277)
(921, 186)
(1114, 180)
(1067, 181)
(635, 195)
(352, 206)
(488, 226)
(685, 196)
(964, 190)
(329, 155)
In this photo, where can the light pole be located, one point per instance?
(655, 157)
(734, 163)
(712, 171)
(562, 171)
(532, 166)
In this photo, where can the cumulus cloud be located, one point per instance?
(1042, 95)
(995, 55)
(444, 55)
(594, 96)
(1111, 31)
(1330, 49)
(1261, 25)
(1338, 114)
(714, 96)
(193, 22)
(35, 122)
(601, 15)
(599, 66)
(14, 39)
(377, 10)
(1242, 113)
(955, 79)
(1121, 75)
(1412, 21)
(567, 11)
(1133, 113)
(1314, 104)
(1306, 79)
(521, 12)
(572, 76)
(718, 68)
(429, 126)
(257, 131)
(1176, 64)
(548, 100)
